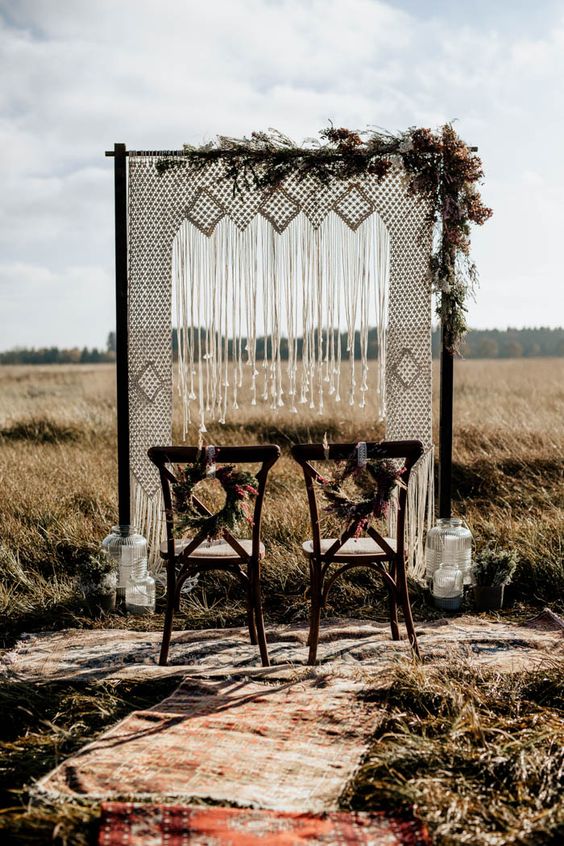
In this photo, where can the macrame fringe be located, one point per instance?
(148, 518)
(420, 512)
(316, 285)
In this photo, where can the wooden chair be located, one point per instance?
(185, 558)
(373, 551)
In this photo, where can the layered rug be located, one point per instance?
(281, 742)
(126, 824)
(113, 653)
(289, 746)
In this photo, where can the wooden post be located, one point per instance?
(445, 428)
(122, 362)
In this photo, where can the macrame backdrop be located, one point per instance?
(304, 262)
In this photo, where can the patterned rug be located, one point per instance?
(346, 645)
(125, 824)
(291, 746)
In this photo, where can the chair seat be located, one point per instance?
(212, 549)
(353, 548)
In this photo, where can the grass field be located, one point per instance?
(480, 769)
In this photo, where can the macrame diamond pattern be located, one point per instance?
(354, 207)
(148, 382)
(279, 209)
(205, 212)
(407, 370)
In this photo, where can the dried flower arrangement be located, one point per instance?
(240, 488)
(439, 166)
(376, 481)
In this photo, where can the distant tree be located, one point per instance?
(488, 348)
(512, 349)
(478, 343)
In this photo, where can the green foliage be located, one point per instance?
(95, 570)
(494, 567)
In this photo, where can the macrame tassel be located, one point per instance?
(147, 513)
(420, 512)
(299, 288)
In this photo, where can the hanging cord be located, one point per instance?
(313, 278)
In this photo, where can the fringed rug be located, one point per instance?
(289, 747)
(344, 645)
(125, 824)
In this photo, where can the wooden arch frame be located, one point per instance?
(120, 155)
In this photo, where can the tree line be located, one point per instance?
(509, 343)
(478, 343)
(61, 355)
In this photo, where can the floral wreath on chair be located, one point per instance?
(239, 486)
(376, 480)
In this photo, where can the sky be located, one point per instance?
(78, 75)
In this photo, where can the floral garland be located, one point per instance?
(239, 486)
(438, 164)
(376, 480)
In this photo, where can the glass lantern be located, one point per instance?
(140, 595)
(448, 587)
(128, 550)
(449, 542)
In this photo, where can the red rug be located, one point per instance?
(128, 824)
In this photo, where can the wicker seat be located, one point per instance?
(352, 549)
(208, 550)
(240, 557)
(384, 555)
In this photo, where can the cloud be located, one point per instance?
(68, 308)
(78, 76)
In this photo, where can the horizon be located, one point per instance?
(101, 347)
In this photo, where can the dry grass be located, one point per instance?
(475, 754)
(43, 724)
(478, 756)
(58, 473)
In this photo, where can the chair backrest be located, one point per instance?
(407, 451)
(165, 457)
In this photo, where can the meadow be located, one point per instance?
(478, 758)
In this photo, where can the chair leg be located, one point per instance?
(251, 615)
(257, 602)
(309, 593)
(393, 604)
(394, 625)
(407, 615)
(168, 621)
(315, 613)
